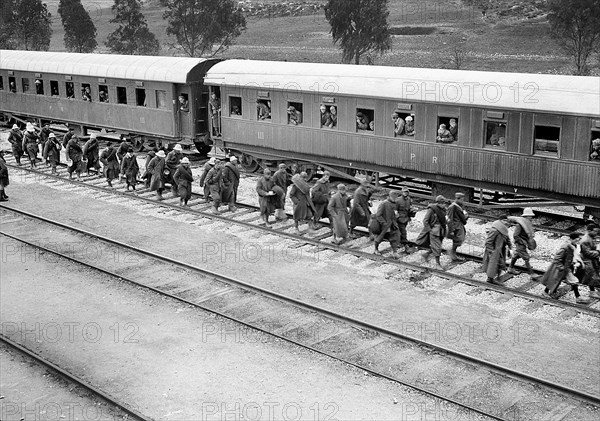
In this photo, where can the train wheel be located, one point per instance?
(248, 163)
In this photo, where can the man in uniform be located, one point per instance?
(15, 139)
(207, 167)
(386, 225)
(213, 181)
(172, 162)
(524, 239)
(457, 218)
(231, 181)
(282, 181)
(405, 213)
(434, 230)
(497, 248)
(266, 196)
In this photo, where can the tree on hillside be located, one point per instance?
(31, 27)
(359, 26)
(80, 31)
(132, 36)
(576, 28)
(203, 26)
(6, 22)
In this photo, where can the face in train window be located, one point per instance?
(294, 113)
(595, 146)
(365, 119)
(328, 115)
(495, 134)
(86, 92)
(546, 140)
(235, 106)
(25, 84)
(403, 123)
(54, 91)
(263, 109)
(103, 93)
(70, 89)
(184, 103)
(12, 84)
(447, 131)
(39, 87)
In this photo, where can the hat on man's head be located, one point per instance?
(267, 171)
(233, 158)
(178, 148)
(161, 153)
(409, 118)
(528, 212)
(51, 136)
(185, 160)
(30, 127)
(404, 188)
(459, 195)
(93, 136)
(440, 199)
(341, 187)
(290, 108)
(394, 194)
(212, 161)
(15, 127)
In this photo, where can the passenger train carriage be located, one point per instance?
(518, 133)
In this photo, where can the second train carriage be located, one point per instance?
(152, 99)
(518, 133)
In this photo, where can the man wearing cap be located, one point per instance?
(130, 169)
(123, 147)
(4, 180)
(51, 152)
(360, 213)
(30, 144)
(434, 230)
(319, 195)
(294, 116)
(385, 224)
(75, 154)
(15, 138)
(231, 182)
(398, 124)
(590, 257)
(183, 178)
(497, 248)
(453, 129)
(457, 218)
(282, 180)
(172, 162)
(409, 127)
(523, 237)
(110, 163)
(213, 181)
(156, 168)
(207, 167)
(405, 213)
(338, 211)
(300, 197)
(560, 270)
(67, 137)
(44, 133)
(91, 151)
(266, 196)
(147, 176)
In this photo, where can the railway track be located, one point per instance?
(111, 406)
(470, 384)
(248, 218)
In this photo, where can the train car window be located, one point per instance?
(140, 97)
(404, 123)
(161, 99)
(1, 83)
(184, 103)
(86, 92)
(328, 114)
(595, 146)
(235, 105)
(121, 95)
(365, 119)
(263, 109)
(70, 89)
(103, 93)
(25, 84)
(294, 111)
(495, 134)
(39, 87)
(546, 140)
(12, 84)
(447, 130)
(54, 88)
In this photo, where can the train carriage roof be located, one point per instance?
(576, 95)
(149, 68)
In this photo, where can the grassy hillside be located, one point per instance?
(513, 36)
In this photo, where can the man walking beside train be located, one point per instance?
(405, 213)
(434, 231)
(523, 237)
(231, 181)
(457, 218)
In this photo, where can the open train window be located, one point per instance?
(447, 131)
(54, 88)
(70, 88)
(39, 87)
(103, 93)
(546, 140)
(25, 84)
(161, 99)
(365, 119)
(328, 116)
(595, 146)
(263, 109)
(121, 95)
(495, 134)
(235, 106)
(12, 84)
(404, 123)
(86, 92)
(140, 97)
(1, 83)
(294, 113)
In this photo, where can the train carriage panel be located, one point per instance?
(476, 139)
(513, 131)
(526, 138)
(568, 138)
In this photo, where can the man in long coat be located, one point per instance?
(123, 148)
(320, 198)
(561, 269)
(231, 182)
(591, 259)
(75, 154)
(523, 237)
(205, 169)
(360, 213)
(213, 181)
(497, 247)
(282, 181)
(300, 197)
(4, 180)
(434, 230)
(156, 168)
(15, 138)
(51, 152)
(30, 144)
(457, 218)
(130, 169)
(266, 196)
(183, 178)
(405, 213)
(110, 163)
(44, 133)
(172, 162)
(91, 151)
(147, 176)
(68, 136)
(338, 211)
(385, 225)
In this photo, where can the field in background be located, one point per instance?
(513, 37)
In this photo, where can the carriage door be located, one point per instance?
(184, 111)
